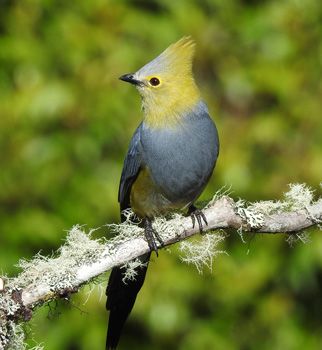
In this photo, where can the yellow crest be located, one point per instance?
(176, 59)
(180, 54)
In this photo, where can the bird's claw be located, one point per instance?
(199, 215)
(151, 234)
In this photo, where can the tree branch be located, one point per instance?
(83, 258)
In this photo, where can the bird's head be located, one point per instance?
(166, 84)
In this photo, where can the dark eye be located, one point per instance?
(154, 81)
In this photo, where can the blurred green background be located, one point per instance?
(65, 125)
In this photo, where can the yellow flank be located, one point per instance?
(164, 103)
(139, 197)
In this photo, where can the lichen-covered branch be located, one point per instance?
(83, 258)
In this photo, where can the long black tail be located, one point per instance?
(121, 298)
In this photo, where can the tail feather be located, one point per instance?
(121, 298)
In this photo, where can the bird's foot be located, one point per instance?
(151, 234)
(199, 215)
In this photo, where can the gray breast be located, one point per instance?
(181, 159)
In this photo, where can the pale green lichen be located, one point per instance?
(58, 271)
(202, 252)
(7, 304)
(131, 269)
(15, 338)
(126, 230)
(303, 237)
(299, 197)
(223, 191)
(169, 229)
(250, 214)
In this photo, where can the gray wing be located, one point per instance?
(131, 169)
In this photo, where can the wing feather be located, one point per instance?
(131, 169)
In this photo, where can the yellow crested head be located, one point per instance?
(166, 84)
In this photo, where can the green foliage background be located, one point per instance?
(65, 125)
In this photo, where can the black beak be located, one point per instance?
(130, 79)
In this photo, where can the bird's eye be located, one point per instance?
(154, 81)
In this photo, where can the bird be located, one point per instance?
(171, 157)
